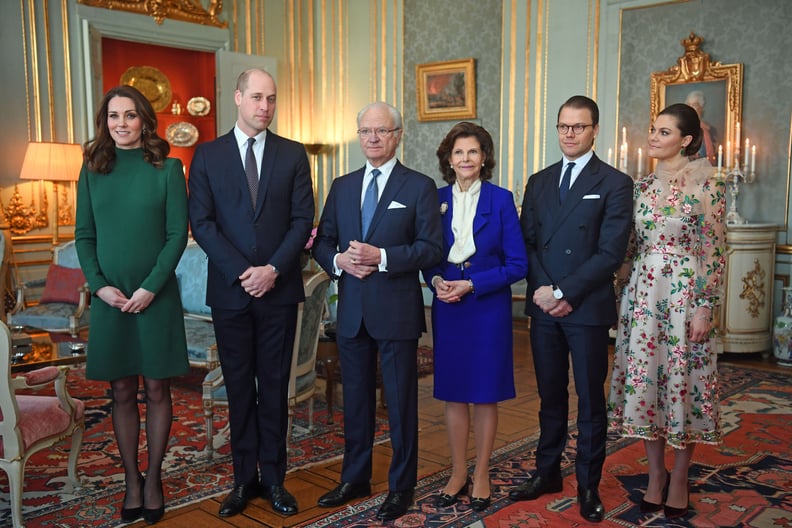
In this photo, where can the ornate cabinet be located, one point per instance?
(745, 318)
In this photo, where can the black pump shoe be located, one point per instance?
(651, 507)
(444, 500)
(153, 515)
(133, 514)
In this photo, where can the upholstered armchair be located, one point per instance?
(32, 422)
(63, 305)
(302, 382)
(191, 275)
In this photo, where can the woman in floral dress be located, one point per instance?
(664, 387)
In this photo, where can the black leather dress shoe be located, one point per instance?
(282, 501)
(537, 487)
(236, 501)
(344, 493)
(591, 507)
(396, 504)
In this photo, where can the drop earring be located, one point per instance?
(682, 151)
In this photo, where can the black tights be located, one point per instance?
(126, 423)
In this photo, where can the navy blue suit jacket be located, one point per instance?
(577, 245)
(407, 225)
(236, 236)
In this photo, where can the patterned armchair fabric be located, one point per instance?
(30, 423)
(191, 275)
(302, 383)
(54, 316)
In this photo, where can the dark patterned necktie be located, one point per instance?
(251, 171)
(564, 188)
(370, 202)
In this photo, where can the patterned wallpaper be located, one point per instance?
(651, 42)
(441, 31)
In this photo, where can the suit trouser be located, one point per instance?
(255, 346)
(552, 343)
(398, 359)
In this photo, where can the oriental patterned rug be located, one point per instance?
(746, 481)
(50, 501)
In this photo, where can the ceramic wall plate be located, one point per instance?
(199, 106)
(152, 83)
(182, 134)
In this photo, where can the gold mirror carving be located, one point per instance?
(185, 10)
(753, 289)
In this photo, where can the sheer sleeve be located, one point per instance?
(712, 234)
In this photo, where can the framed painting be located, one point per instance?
(712, 88)
(446, 90)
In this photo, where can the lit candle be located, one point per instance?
(624, 135)
(610, 156)
(640, 162)
(753, 159)
(720, 157)
(728, 155)
(737, 138)
(747, 154)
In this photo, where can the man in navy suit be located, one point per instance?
(251, 209)
(379, 227)
(576, 219)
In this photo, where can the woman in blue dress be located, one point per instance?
(472, 306)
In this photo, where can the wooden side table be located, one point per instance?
(328, 368)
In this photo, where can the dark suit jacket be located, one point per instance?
(390, 304)
(234, 235)
(578, 245)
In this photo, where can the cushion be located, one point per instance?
(63, 285)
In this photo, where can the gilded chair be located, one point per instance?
(32, 422)
(302, 382)
(63, 305)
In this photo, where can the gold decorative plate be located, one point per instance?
(182, 134)
(199, 106)
(152, 83)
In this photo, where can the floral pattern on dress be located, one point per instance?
(663, 385)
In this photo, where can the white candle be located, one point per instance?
(728, 155)
(610, 156)
(624, 135)
(747, 154)
(640, 162)
(753, 159)
(737, 138)
(720, 157)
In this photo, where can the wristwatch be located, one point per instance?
(557, 293)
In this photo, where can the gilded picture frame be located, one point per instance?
(446, 90)
(714, 89)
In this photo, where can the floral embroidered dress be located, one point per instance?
(662, 384)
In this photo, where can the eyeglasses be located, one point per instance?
(379, 132)
(577, 129)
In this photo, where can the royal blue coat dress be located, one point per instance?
(473, 356)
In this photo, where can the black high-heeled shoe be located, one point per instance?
(651, 507)
(153, 515)
(479, 504)
(133, 514)
(444, 500)
(671, 512)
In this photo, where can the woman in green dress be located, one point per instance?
(131, 230)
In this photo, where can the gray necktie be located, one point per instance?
(564, 188)
(370, 202)
(251, 171)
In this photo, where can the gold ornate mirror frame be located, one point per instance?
(185, 10)
(720, 84)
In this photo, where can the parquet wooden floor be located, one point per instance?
(518, 418)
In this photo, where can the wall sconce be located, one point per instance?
(53, 162)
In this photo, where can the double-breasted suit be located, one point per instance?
(255, 336)
(383, 312)
(575, 246)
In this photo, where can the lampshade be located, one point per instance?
(52, 162)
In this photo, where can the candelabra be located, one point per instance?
(733, 178)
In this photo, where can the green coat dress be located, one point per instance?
(130, 232)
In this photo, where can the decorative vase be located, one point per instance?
(782, 332)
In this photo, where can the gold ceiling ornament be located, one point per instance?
(185, 10)
(22, 218)
(753, 289)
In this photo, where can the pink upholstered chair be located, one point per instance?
(31, 422)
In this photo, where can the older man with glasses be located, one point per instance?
(379, 227)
